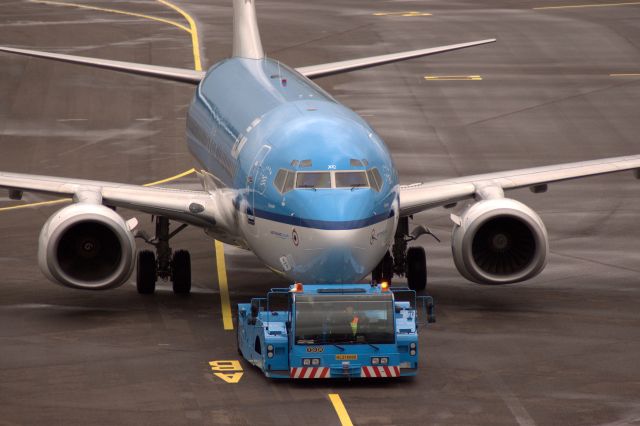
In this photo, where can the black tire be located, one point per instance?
(181, 272)
(417, 268)
(146, 275)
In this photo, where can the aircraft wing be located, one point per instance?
(165, 73)
(197, 208)
(423, 196)
(323, 70)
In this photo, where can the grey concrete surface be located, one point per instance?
(560, 349)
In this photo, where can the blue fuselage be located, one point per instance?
(316, 190)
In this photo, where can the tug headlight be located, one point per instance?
(384, 360)
(306, 361)
(375, 361)
(412, 345)
(315, 361)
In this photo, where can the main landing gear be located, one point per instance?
(405, 261)
(163, 263)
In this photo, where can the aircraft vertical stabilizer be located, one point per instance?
(246, 36)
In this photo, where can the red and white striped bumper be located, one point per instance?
(381, 371)
(309, 372)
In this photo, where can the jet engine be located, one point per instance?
(499, 241)
(86, 246)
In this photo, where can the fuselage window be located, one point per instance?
(313, 180)
(351, 180)
(375, 179)
(278, 182)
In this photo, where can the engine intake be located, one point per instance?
(499, 241)
(86, 246)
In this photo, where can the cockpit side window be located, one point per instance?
(278, 182)
(313, 180)
(288, 183)
(351, 179)
(375, 179)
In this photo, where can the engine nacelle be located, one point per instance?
(499, 241)
(86, 246)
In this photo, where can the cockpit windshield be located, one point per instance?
(351, 179)
(343, 319)
(313, 180)
(287, 180)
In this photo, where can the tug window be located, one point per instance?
(313, 180)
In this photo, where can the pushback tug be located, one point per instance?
(334, 331)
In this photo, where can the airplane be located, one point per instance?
(297, 178)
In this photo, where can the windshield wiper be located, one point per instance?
(339, 347)
(357, 185)
(373, 346)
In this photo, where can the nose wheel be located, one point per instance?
(164, 263)
(405, 261)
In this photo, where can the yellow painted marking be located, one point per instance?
(406, 14)
(224, 287)
(230, 377)
(169, 179)
(42, 203)
(345, 420)
(193, 31)
(225, 365)
(117, 11)
(453, 77)
(578, 6)
(625, 75)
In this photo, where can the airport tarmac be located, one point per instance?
(560, 85)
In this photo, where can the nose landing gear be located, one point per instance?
(410, 262)
(163, 263)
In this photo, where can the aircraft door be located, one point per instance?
(257, 180)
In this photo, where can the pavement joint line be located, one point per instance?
(224, 286)
(578, 6)
(625, 75)
(345, 420)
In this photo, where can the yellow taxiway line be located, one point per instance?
(405, 14)
(117, 11)
(224, 286)
(452, 77)
(580, 6)
(193, 30)
(345, 420)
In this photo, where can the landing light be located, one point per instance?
(384, 286)
(297, 288)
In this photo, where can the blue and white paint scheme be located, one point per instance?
(296, 177)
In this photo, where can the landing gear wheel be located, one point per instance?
(181, 272)
(417, 268)
(146, 272)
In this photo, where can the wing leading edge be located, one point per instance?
(423, 196)
(332, 68)
(165, 73)
(197, 208)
